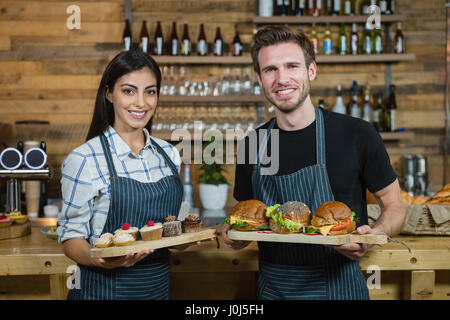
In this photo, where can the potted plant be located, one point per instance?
(213, 185)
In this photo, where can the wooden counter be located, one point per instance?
(205, 272)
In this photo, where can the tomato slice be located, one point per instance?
(342, 226)
(253, 224)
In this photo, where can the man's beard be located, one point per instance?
(288, 109)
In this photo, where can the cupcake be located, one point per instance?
(171, 227)
(128, 230)
(191, 224)
(5, 221)
(123, 239)
(18, 217)
(105, 240)
(152, 231)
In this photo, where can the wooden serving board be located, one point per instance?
(268, 235)
(116, 251)
(15, 230)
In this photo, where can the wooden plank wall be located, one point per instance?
(48, 72)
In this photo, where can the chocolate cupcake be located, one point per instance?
(191, 224)
(171, 227)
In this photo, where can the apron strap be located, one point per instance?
(169, 162)
(107, 152)
(320, 139)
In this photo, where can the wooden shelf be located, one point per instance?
(202, 59)
(360, 58)
(389, 136)
(324, 19)
(201, 99)
(366, 58)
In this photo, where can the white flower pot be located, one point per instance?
(213, 197)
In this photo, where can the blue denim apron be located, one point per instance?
(303, 271)
(136, 203)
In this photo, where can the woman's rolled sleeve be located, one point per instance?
(78, 196)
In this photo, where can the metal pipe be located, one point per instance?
(447, 112)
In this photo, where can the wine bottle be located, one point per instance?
(174, 43)
(143, 45)
(127, 36)
(202, 45)
(237, 45)
(185, 41)
(218, 43)
(159, 40)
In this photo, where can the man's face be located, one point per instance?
(284, 77)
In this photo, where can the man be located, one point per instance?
(323, 156)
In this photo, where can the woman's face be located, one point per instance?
(134, 98)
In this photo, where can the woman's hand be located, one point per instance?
(123, 261)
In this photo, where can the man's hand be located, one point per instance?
(355, 251)
(234, 244)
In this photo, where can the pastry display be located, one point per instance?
(126, 228)
(105, 240)
(123, 239)
(5, 221)
(191, 224)
(171, 227)
(152, 231)
(18, 217)
(442, 197)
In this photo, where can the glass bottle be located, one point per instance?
(339, 107)
(399, 44)
(174, 44)
(159, 40)
(354, 108)
(185, 41)
(202, 45)
(343, 43)
(218, 43)
(378, 113)
(237, 44)
(314, 39)
(367, 41)
(367, 108)
(127, 36)
(392, 110)
(378, 39)
(328, 42)
(354, 41)
(143, 45)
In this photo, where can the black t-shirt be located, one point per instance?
(356, 159)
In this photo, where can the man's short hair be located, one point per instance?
(274, 34)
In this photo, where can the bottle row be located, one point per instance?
(381, 113)
(269, 8)
(371, 42)
(176, 83)
(175, 46)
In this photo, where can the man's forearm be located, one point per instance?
(392, 219)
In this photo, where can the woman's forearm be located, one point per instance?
(79, 251)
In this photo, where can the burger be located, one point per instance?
(333, 218)
(289, 217)
(248, 215)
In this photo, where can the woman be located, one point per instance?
(120, 175)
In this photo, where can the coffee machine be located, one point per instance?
(16, 166)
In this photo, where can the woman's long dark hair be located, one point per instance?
(124, 63)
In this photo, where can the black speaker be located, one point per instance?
(35, 158)
(11, 158)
